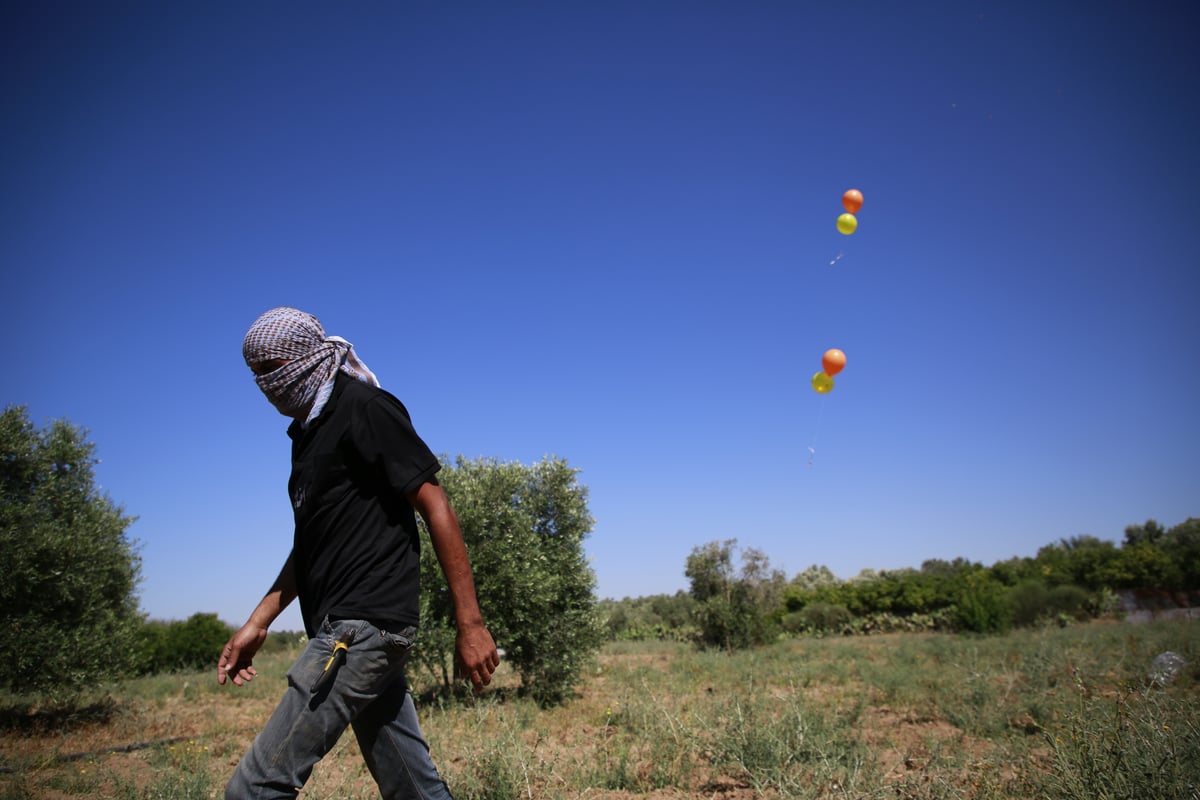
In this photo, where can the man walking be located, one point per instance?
(359, 475)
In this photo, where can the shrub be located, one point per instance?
(193, 644)
(1029, 601)
(824, 617)
(1032, 602)
(1069, 600)
(982, 606)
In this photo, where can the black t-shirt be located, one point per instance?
(356, 551)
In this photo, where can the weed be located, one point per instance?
(1134, 743)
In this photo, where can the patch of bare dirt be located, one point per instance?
(907, 742)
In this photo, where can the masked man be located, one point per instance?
(360, 474)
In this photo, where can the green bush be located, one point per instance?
(792, 623)
(1069, 600)
(193, 644)
(824, 617)
(1032, 602)
(196, 643)
(733, 622)
(983, 606)
(1029, 601)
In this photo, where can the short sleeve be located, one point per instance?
(383, 435)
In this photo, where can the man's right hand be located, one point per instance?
(476, 657)
(236, 662)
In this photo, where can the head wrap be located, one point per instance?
(301, 387)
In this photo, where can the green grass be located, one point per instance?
(1055, 713)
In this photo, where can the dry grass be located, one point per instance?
(901, 716)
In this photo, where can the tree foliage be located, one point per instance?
(524, 527)
(1177, 564)
(738, 595)
(935, 587)
(656, 617)
(68, 609)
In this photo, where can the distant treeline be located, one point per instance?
(736, 600)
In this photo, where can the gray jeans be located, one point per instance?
(365, 688)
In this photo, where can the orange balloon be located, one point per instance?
(852, 200)
(833, 361)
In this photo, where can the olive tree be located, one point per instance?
(524, 527)
(68, 609)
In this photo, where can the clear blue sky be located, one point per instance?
(603, 231)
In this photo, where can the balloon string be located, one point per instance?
(812, 448)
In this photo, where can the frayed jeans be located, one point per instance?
(366, 690)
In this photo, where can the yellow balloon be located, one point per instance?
(847, 223)
(822, 383)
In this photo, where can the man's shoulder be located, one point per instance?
(356, 393)
(354, 388)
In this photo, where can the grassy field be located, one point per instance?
(1052, 713)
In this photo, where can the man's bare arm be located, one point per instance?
(475, 650)
(237, 656)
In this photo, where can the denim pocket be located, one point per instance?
(342, 630)
(399, 642)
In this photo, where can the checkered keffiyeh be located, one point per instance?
(301, 387)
